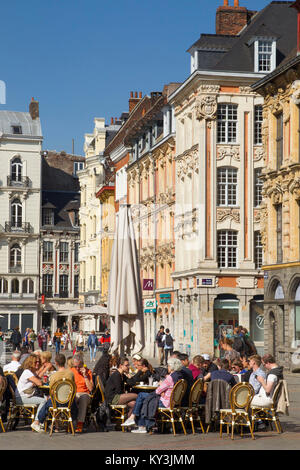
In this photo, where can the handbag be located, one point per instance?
(32, 392)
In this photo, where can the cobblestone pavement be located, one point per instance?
(24, 439)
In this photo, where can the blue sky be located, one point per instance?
(81, 58)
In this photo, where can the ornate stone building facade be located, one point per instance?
(281, 213)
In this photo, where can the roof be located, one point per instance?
(63, 203)
(30, 127)
(225, 54)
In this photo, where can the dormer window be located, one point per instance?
(48, 216)
(77, 167)
(16, 129)
(265, 55)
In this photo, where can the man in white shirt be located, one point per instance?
(14, 365)
(268, 384)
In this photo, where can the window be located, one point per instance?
(16, 170)
(227, 123)
(63, 285)
(76, 286)
(63, 252)
(264, 56)
(279, 232)
(16, 213)
(27, 286)
(258, 184)
(77, 166)
(227, 186)
(16, 129)
(76, 252)
(258, 250)
(48, 251)
(48, 285)
(15, 257)
(3, 285)
(227, 249)
(48, 216)
(76, 218)
(258, 119)
(279, 140)
(15, 286)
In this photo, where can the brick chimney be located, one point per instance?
(133, 100)
(34, 109)
(230, 20)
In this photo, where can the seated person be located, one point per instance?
(136, 358)
(115, 386)
(14, 365)
(237, 367)
(229, 353)
(208, 365)
(274, 373)
(84, 386)
(47, 365)
(222, 373)
(257, 371)
(145, 370)
(24, 354)
(62, 372)
(27, 389)
(164, 391)
(196, 366)
(186, 374)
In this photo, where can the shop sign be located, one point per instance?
(150, 306)
(165, 298)
(148, 284)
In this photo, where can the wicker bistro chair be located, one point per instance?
(240, 398)
(62, 392)
(2, 390)
(192, 411)
(173, 414)
(26, 412)
(119, 413)
(268, 414)
(13, 375)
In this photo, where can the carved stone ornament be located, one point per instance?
(295, 188)
(206, 108)
(228, 151)
(258, 154)
(296, 92)
(226, 213)
(187, 163)
(276, 106)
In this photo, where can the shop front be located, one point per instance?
(226, 318)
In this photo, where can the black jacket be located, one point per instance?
(158, 339)
(16, 337)
(115, 385)
(187, 375)
(102, 368)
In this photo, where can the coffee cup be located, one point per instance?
(141, 383)
(150, 380)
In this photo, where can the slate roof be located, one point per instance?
(276, 19)
(63, 202)
(30, 127)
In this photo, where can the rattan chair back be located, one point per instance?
(178, 393)
(195, 393)
(62, 392)
(240, 396)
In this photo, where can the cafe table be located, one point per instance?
(146, 388)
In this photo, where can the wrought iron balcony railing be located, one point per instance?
(12, 227)
(22, 182)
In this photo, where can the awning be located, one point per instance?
(92, 310)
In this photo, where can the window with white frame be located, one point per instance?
(264, 56)
(48, 216)
(47, 285)
(47, 251)
(258, 250)
(76, 252)
(16, 169)
(15, 256)
(77, 166)
(226, 186)
(63, 252)
(3, 285)
(63, 285)
(258, 119)
(227, 249)
(27, 286)
(258, 184)
(227, 123)
(16, 213)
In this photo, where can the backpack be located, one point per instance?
(169, 340)
(103, 418)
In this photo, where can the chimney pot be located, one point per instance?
(136, 94)
(131, 94)
(140, 94)
(112, 120)
(236, 3)
(225, 3)
(34, 109)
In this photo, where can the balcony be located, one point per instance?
(11, 227)
(15, 269)
(22, 182)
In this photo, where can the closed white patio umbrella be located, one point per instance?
(124, 294)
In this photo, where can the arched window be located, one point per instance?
(15, 256)
(3, 285)
(27, 286)
(16, 213)
(15, 286)
(16, 170)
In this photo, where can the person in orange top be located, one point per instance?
(84, 386)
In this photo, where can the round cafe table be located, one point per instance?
(146, 388)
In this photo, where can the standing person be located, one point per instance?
(26, 337)
(168, 341)
(80, 341)
(16, 338)
(160, 344)
(102, 367)
(42, 339)
(32, 338)
(1, 334)
(105, 339)
(92, 345)
(57, 340)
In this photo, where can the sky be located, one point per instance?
(81, 58)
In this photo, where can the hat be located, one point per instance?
(206, 357)
(137, 357)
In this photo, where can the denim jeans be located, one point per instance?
(138, 406)
(57, 347)
(93, 350)
(45, 408)
(32, 401)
